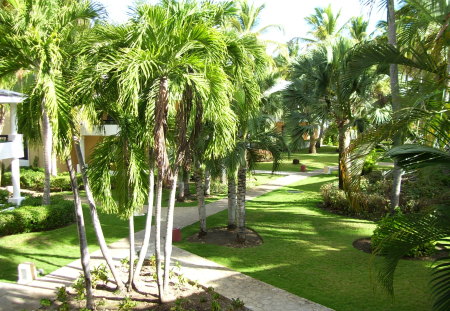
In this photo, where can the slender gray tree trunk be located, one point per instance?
(148, 224)
(47, 140)
(159, 138)
(85, 258)
(396, 105)
(159, 186)
(223, 176)
(169, 228)
(180, 192)
(200, 200)
(207, 182)
(232, 202)
(344, 142)
(241, 188)
(312, 143)
(94, 215)
(187, 190)
(132, 251)
(321, 131)
(54, 164)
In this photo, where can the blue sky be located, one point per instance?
(289, 14)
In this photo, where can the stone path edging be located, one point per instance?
(257, 295)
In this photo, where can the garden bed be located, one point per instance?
(182, 294)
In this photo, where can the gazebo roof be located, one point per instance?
(10, 97)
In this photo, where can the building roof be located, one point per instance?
(10, 97)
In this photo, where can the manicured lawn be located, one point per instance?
(53, 249)
(309, 252)
(326, 156)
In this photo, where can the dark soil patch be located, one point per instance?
(225, 237)
(365, 245)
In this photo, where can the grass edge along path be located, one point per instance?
(309, 252)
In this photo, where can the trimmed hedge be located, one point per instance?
(33, 179)
(31, 217)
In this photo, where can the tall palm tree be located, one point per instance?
(37, 37)
(324, 24)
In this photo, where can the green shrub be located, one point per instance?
(370, 162)
(31, 218)
(333, 198)
(33, 179)
(4, 195)
(372, 205)
(387, 225)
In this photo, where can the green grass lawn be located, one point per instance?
(326, 156)
(53, 249)
(309, 252)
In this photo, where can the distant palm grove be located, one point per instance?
(195, 92)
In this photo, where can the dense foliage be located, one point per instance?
(32, 216)
(34, 178)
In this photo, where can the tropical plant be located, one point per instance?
(409, 233)
(38, 40)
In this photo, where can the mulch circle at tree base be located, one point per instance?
(223, 236)
(365, 245)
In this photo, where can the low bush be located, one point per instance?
(33, 179)
(372, 205)
(389, 224)
(420, 190)
(370, 162)
(31, 217)
(4, 195)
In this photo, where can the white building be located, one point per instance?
(12, 147)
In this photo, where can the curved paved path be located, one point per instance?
(257, 295)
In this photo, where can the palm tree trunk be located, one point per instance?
(321, 131)
(187, 190)
(54, 164)
(312, 143)
(169, 228)
(94, 215)
(232, 200)
(47, 137)
(242, 175)
(85, 258)
(223, 176)
(180, 193)
(159, 139)
(200, 200)
(207, 182)
(148, 224)
(396, 105)
(132, 251)
(344, 142)
(159, 186)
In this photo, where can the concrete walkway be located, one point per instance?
(257, 295)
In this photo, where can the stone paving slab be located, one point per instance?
(257, 295)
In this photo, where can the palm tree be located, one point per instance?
(85, 258)
(415, 230)
(324, 24)
(37, 38)
(150, 61)
(427, 73)
(123, 191)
